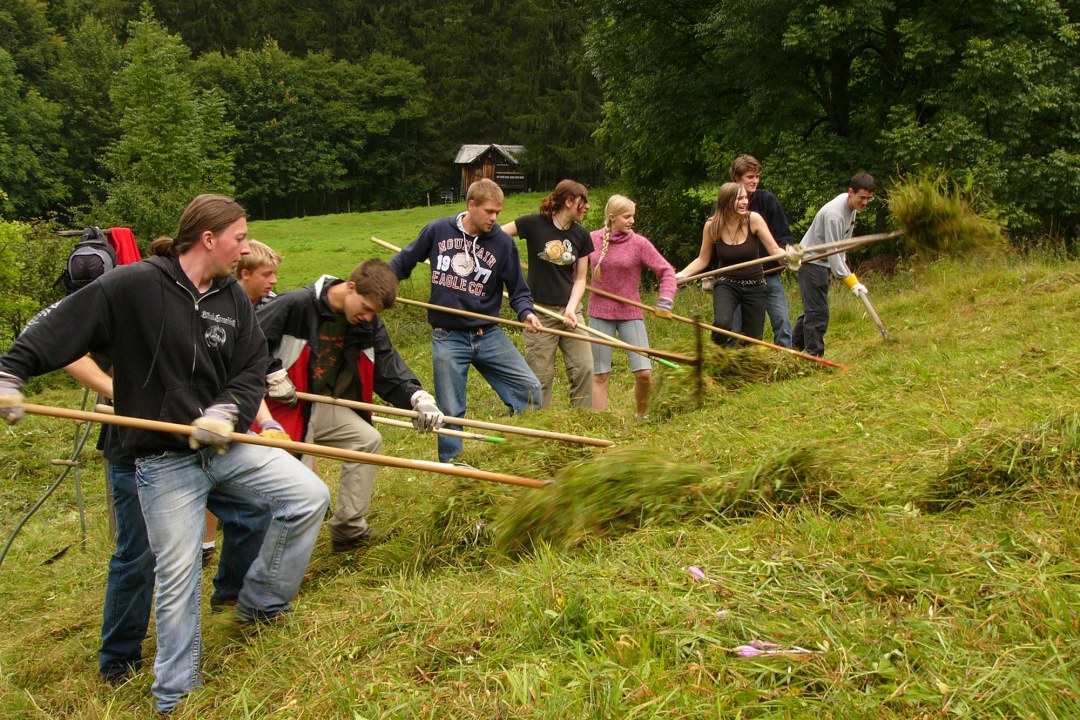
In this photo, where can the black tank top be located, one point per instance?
(747, 250)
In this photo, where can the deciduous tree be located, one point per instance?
(172, 142)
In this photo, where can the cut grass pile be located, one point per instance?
(995, 462)
(678, 390)
(938, 217)
(627, 489)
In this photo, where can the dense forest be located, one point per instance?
(118, 112)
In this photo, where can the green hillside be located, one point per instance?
(894, 541)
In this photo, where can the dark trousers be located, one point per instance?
(809, 331)
(729, 296)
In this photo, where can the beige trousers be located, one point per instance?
(340, 427)
(540, 351)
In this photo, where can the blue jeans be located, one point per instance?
(243, 527)
(777, 308)
(499, 362)
(629, 331)
(173, 491)
(129, 589)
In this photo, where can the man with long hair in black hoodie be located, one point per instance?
(186, 348)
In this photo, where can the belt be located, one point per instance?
(745, 281)
(471, 331)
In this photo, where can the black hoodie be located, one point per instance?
(174, 352)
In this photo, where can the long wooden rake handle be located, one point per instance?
(440, 431)
(821, 256)
(561, 333)
(290, 446)
(386, 409)
(713, 328)
(545, 311)
(862, 239)
(108, 410)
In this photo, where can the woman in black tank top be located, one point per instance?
(735, 235)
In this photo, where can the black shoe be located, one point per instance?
(220, 605)
(119, 674)
(258, 618)
(207, 556)
(369, 538)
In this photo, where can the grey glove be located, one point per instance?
(859, 290)
(280, 388)
(665, 305)
(11, 398)
(214, 427)
(430, 416)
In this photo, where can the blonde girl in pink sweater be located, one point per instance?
(619, 256)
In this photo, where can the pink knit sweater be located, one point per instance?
(620, 273)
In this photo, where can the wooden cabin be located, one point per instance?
(495, 162)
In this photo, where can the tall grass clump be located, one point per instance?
(937, 216)
(998, 462)
(626, 489)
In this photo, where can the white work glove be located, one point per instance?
(214, 427)
(859, 290)
(272, 429)
(280, 388)
(430, 416)
(793, 255)
(11, 398)
(664, 306)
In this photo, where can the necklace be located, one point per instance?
(560, 227)
(734, 231)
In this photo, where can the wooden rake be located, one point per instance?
(290, 446)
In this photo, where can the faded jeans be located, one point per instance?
(129, 588)
(496, 358)
(173, 491)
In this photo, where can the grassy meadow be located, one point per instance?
(899, 540)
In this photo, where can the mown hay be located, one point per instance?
(937, 216)
(622, 490)
(997, 462)
(676, 391)
(796, 475)
(628, 488)
(458, 532)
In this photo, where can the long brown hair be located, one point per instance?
(206, 212)
(725, 210)
(565, 190)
